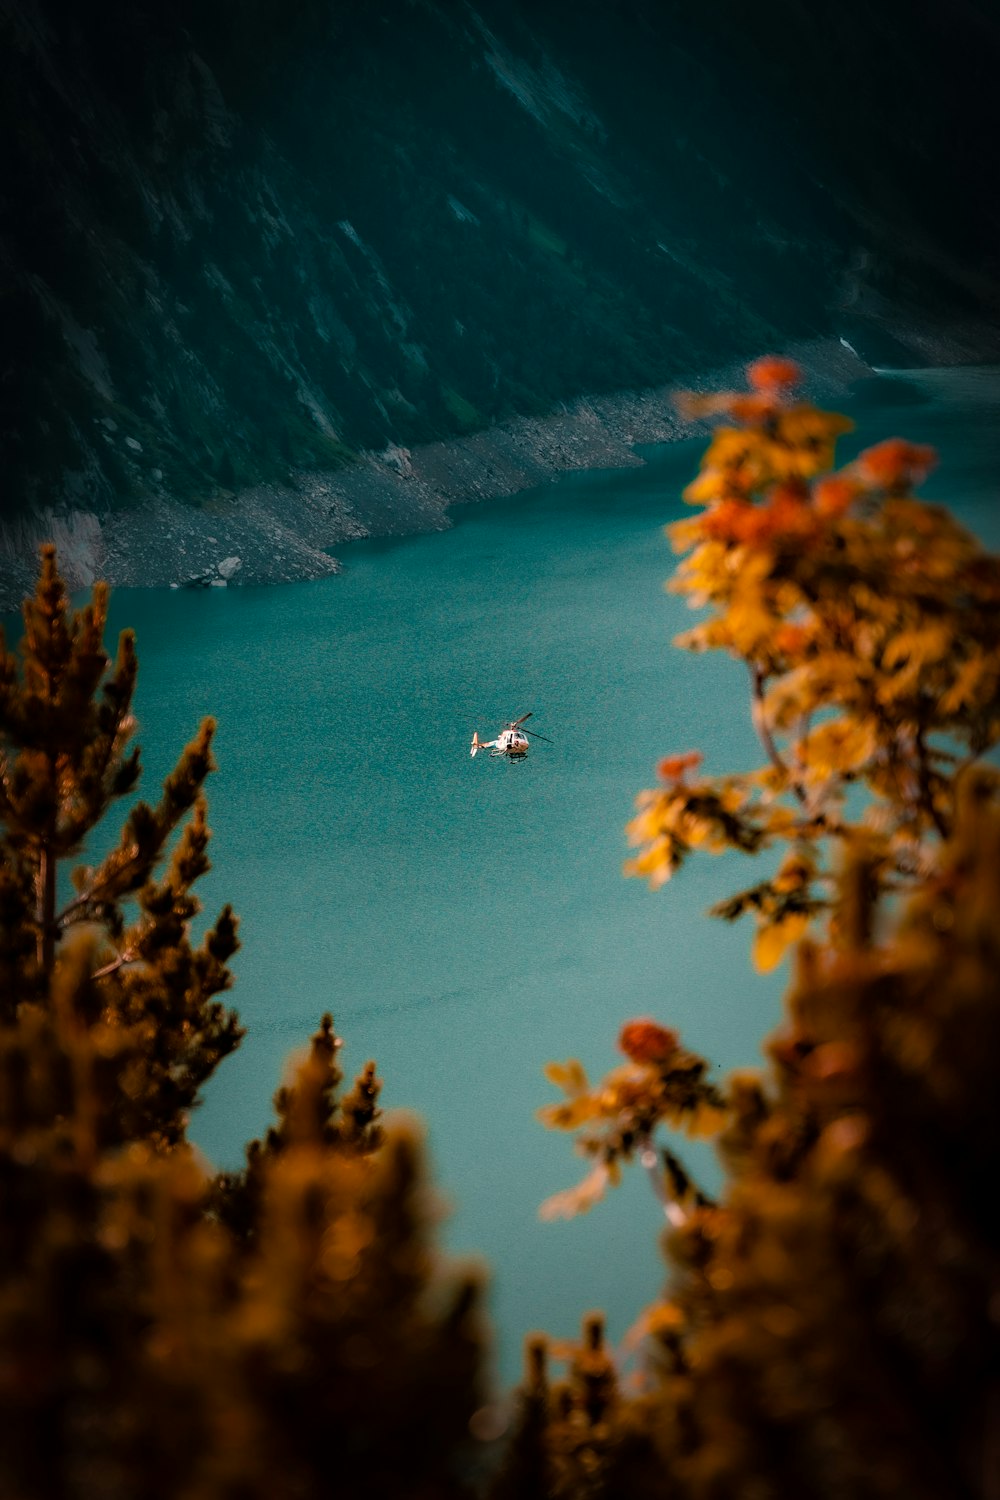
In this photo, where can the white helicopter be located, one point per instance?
(512, 740)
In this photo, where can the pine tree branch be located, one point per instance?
(46, 908)
(673, 1212)
(46, 885)
(116, 963)
(924, 782)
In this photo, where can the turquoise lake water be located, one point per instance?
(466, 920)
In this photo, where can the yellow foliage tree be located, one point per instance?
(829, 1326)
(867, 622)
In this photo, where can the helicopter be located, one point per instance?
(512, 741)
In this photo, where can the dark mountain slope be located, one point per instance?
(240, 239)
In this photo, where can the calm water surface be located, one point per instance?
(466, 920)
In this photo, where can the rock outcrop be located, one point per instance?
(280, 533)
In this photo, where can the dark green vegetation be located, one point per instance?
(245, 236)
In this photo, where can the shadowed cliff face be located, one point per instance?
(244, 239)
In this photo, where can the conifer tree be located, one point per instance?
(307, 1109)
(163, 1335)
(66, 725)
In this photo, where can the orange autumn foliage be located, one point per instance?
(866, 622)
(675, 767)
(828, 1329)
(896, 464)
(773, 373)
(647, 1041)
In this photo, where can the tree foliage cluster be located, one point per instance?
(164, 1332)
(867, 621)
(828, 1327)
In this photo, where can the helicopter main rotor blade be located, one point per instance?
(536, 736)
(521, 719)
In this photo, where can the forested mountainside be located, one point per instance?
(244, 237)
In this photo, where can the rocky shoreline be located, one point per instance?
(282, 533)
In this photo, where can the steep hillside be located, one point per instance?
(246, 239)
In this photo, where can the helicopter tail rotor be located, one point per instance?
(475, 742)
